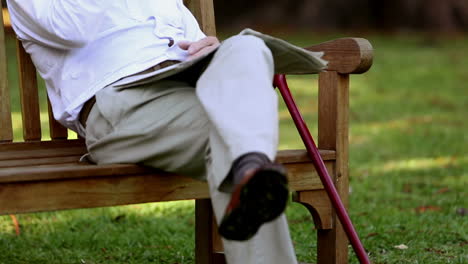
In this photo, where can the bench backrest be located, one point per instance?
(28, 83)
(6, 131)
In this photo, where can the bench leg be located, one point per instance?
(332, 243)
(208, 245)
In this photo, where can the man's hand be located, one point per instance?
(200, 47)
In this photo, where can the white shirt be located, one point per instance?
(79, 47)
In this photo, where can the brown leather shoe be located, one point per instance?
(260, 197)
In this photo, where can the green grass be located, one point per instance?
(408, 168)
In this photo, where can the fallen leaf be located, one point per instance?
(426, 208)
(401, 246)
(434, 250)
(443, 190)
(372, 234)
(16, 224)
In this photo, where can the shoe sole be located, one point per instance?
(262, 199)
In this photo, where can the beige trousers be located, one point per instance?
(198, 129)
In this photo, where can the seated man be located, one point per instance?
(142, 84)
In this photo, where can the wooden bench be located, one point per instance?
(43, 175)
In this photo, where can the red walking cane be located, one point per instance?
(280, 82)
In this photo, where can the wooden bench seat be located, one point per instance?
(72, 184)
(44, 175)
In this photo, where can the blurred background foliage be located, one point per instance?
(391, 15)
(428, 15)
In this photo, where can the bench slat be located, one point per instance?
(96, 192)
(6, 129)
(67, 171)
(51, 171)
(122, 188)
(42, 153)
(43, 149)
(39, 161)
(203, 10)
(57, 131)
(60, 148)
(6, 17)
(29, 95)
(38, 145)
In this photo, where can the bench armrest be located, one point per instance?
(346, 55)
